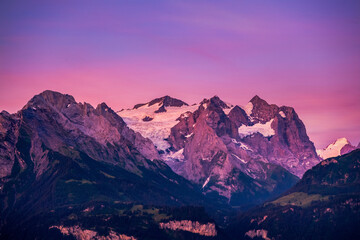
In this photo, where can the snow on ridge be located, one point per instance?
(189, 135)
(242, 145)
(264, 129)
(237, 157)
(333, 149)
(171, 156)
(248, 108)
(229, 105)
(206, 182)
(205, 105)
(158, 129)
(282, 114)
(227, 110)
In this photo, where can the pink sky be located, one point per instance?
(304, 54)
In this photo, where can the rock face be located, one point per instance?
(241, 153)
(233, 154)
(347, 148)
(207, 229)
(238, 116)
(84, 234)
(56, 121)
(288, 146)
(56, 153)
(8, 136)
(261, 233)
(339, 147)
(163, 102)
(261, 111)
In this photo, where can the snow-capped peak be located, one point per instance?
(333, 149)
(154, 119)
(248, 108)
(215, 100)
(162, 102)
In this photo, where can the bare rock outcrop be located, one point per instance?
(207, 229)
(85, 234)
(261, 233)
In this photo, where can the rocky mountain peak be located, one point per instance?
(238, 116)
(62, 120)
(214, 102)
(256, 98)
(65, 154)
(262, 111)
(339, 147)
(51, 98)
(166, 101)
(339, 142)
(103, 108)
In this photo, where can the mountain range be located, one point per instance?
(58, 155)
(161, 170)
(245, 154)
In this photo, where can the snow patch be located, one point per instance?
(264, 129)
(189, 135)
(242, 160)
(206, 182)
(282, 114)
(245, 147)
(242, 145)
(158, 129)
(179, 155)
(248, 108)
(227, 110)
(333, 149)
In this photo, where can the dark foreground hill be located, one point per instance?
(325, 204)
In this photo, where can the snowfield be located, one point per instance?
(333, 149)
(264, 129)
(158, 129)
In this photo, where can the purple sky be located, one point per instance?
(304, 54)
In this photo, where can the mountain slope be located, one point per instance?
(154, 119)
(325, 204)
(244, 154)
(216, 157)
(61, 157)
